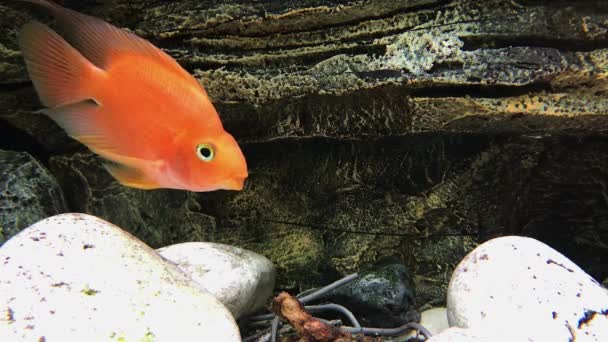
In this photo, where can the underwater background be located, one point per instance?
(372, 129)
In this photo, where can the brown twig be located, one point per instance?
(361, 333)
(310, 329)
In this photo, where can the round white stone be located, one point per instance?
(464, 335)
(242, 280)
(435, 320)
(75, 277)
(519, 287)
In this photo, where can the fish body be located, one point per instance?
(130, 103)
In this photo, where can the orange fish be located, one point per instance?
(130, 103)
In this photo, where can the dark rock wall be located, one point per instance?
(28, 193)
(372, 128)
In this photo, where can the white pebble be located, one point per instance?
(242, 280)
(75, 277)
(519, 287)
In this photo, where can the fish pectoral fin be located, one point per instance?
(131, 176)
(80, 121)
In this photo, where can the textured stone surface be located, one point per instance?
(520, 282)
(435, 320)
(368, 67)
(426, 205)
(466, 335)
(74, 277)
(380, 297)
(413, 129)
(28, 193)
(242, 280)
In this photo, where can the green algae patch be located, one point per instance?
(148, 337)
(89, 291)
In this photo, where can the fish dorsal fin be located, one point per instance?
(98, 40)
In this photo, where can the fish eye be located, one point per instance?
(205, 152)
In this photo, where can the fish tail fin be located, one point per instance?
(61, 75)
(98, 40)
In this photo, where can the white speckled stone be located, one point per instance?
(75, 277)
(519, 287)
(466, 335)
(242, 280)
(435, 320)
